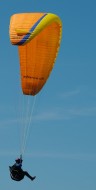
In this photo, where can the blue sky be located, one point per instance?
(61, 146)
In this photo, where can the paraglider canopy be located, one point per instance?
(38, 38)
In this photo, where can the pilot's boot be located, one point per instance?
(33, 178)
(29, 176)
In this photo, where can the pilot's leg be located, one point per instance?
(29, 176)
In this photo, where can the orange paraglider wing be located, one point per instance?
(38, 38)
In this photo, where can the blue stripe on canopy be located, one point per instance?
(31, 30)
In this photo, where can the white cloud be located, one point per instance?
(63, 114)
(8, 122)
(54, 114)
(58, 155)
(69, 93)
(8, 153)
(74, 156)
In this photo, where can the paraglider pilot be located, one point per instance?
(17, 173)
